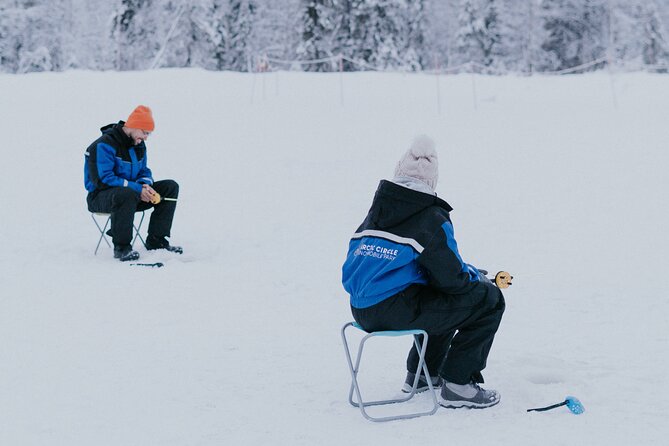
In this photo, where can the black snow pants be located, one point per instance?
(460, 328)
(123, 202)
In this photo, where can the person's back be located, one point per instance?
(401, 243)
(404, 271)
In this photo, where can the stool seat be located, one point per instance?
(389, 332)
(355, 368)
(103, 229)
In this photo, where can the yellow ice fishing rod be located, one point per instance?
(503, 279)
(157, 198)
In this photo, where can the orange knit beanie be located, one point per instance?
(141, 118)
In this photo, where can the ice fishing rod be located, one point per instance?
(156, 198)
(150, 265)
(572, 403)
(502, 279)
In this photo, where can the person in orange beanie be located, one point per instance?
(120, 183)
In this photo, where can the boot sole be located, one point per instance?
(175, 251)
(465, 404)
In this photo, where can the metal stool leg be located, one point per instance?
(102, 231)
(355, 368)
(137, 228)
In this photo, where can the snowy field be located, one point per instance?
(560, 180)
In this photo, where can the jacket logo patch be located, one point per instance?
(376, 251)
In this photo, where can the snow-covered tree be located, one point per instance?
(277, 29)
(385, 33)
(639, 35)
(11, 29)
(211, 34)
(655, 48)
(32, 34)
(575, 32)
(501, 35)
(134, 32)
(440, 27)
(240, 22)
(517, 26)
(189, 34)
(416, 54)
(478, 38)
(321, 20)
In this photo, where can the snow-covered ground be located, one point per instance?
(560, 180)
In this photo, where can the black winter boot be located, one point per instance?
(155, 242)
(422, 383)
(125, 253)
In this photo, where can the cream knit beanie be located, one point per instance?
(420, 162)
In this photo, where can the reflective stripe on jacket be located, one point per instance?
(407, 238)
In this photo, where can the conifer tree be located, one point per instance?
(11, 30)
(240, 25)
(320, 20)
(31, 36)
(385, 34)
(655, 48)
(478, 38)
(134, 33)
(575, 32)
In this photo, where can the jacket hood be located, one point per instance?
(115, 131)
(393, 204)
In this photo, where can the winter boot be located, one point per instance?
(454, 396)
(125, 253)
(155, 242)
(422, 383)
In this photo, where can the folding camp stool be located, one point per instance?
(354, 369)
(103, 229)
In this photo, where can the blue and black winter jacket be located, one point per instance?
(114, 161)
(407, 238)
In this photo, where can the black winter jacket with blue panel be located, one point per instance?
(407, 238)
(113, 160)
